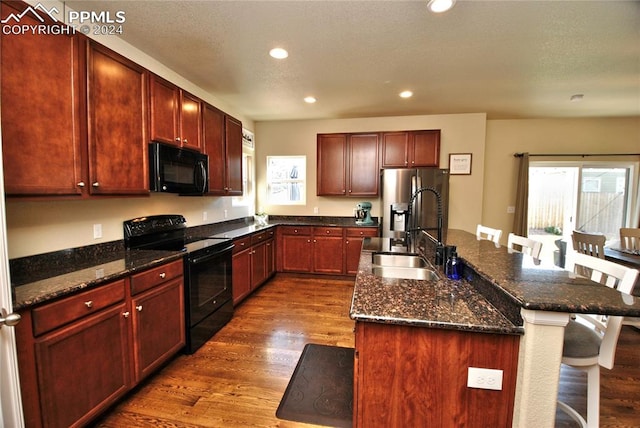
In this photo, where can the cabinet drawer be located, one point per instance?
(258, 237)
(56, 314)
(293, 230)
(361, 232)
(152, 277)
(327, 231)
(241, 244)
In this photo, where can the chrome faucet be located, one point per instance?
(410, 218)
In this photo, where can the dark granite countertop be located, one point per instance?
(497, 284)
(125, 263)
(439, 304)
(40, 278)
(544, 287)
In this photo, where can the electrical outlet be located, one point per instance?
(97, 231)
(315, 210)
(511, 209)
(205, 215)
(225, 213)
(484, 378)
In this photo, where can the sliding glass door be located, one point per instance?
(590, 197)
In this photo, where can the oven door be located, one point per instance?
(208, 285)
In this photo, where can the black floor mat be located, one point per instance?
(321, 388)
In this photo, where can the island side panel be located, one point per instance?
(412, 376)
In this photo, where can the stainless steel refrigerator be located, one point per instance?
(398, 185)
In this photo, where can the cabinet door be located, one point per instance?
(165, 102)
(364, 174)
(327, 254)
(332, 164)
(258, 265)
(190, 121)
(270, 257)
(296, 253)
(233, 140)
(353, 246)
(395, 149)
(158, 326)
(84, 368)
(213, 127)
(118, 137)
(425, 148)
(41, 111)
(241, 265)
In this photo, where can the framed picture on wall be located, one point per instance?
(460, 163)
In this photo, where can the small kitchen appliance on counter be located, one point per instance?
(207, 271)
(363, 213)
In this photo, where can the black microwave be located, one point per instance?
(176, 170)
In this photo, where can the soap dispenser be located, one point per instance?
(453, 268)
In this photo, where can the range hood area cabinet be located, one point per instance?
(348, 164)
(409, 149)
(223, 145)
(175, 115)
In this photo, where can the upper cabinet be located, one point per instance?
(117, 133)
(42, 82)
(223, 145)
(175, 115)
(348, 164)
(408, 149)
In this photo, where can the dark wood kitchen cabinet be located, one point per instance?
(42, 86)
(408, 149)
(118, 135)
(347, 164)
(353, 246)
(223, 144)
(175, 115)
(399, 368)
(78, 355)
(295, 249)
(328, 250)
(253, 263)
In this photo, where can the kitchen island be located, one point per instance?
(418, 338)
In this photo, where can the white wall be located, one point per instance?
(459, 133)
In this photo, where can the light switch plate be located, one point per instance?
(484, 378)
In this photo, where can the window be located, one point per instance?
(286, 180)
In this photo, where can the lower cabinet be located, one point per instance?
(79, 355)
(406, 376)
(324, 250)
(252, 263)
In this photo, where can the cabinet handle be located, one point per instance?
(81, 184)
(346, 242)
(314, 241)
(185, 141)
(295, 230)
(163, 275)
(96, 184)
(328, 232)
(139, 308)
(126, 314)
(309, 241)
(89, 304)
(177, 139)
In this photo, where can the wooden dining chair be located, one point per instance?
(590, 340)
(630, 238)
(527, 245)
(590, 244)
(488, 233)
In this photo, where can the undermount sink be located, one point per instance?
(399, 260)
(404, 266)
(404, 273)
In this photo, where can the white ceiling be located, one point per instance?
(510, 59)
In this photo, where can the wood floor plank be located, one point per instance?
(238, 378)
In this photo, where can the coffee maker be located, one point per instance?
(363, 213)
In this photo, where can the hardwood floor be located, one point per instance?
(238, 378)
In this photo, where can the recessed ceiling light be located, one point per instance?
(278, 53)
(310, 100)
(439, 6)
(576, 97)
(406, 94)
